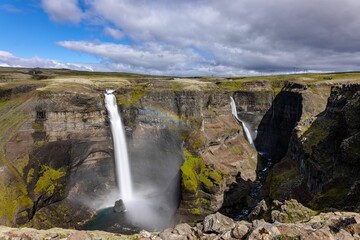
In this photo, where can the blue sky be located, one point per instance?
(182, 37)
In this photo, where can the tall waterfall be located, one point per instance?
(235, 114)
(120, 148)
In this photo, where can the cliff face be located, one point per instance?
(323, 155)
(63, 136)
(57, 162)
(185, 146)
(211, 145)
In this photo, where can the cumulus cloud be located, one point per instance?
(114, 33)
(150, 55)
(63, 11)
(8, 59)
(226, 37)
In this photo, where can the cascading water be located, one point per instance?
(235, 114)
(120, 149)
(261, 174)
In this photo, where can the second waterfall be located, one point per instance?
(123, 173)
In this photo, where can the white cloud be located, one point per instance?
(150, 55)
(63, 11)
(114, 33)
(9, 60)
(220, 37)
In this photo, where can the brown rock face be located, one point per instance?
(323, 155)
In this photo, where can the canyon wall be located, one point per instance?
(57, 163)
(320, 167)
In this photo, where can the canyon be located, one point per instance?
(186, 148)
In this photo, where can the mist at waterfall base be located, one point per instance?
(150, 191)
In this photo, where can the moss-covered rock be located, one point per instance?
(194, 171)
(47, 182)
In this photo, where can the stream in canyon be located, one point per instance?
(266, 164)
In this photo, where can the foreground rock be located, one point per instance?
(291, 220)
(7, 233)
(334, 225)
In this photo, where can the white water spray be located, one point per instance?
(235, 114)
(120, 148)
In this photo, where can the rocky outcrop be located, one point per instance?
(322, 158)
(8, 233)
(63, 133)
(332, 225)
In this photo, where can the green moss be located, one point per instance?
(47, 181)
(195, 171)
(188, 172)
(132, 97)
(281, 173)
(13, 193)
(30, 175)
(333, 193)
(195, 211)
(201, 201)
(316, 133)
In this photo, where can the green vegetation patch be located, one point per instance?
(333, 193)
(131, 98)
(281, 173)
(316, 133)
(47, 181)
(195, 171)
(232, 85)
(13, 192)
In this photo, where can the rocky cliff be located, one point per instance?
(184, 144)
(320, 167)
(57, 164)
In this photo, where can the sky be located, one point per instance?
(182, 37)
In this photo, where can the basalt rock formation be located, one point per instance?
(184, 144)
(320, 167)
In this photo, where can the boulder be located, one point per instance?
(119, 206)
(290, 211)
(218, 223)
(259, 211)
(240, 231)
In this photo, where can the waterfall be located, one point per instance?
(120, 148)
(235, 114)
